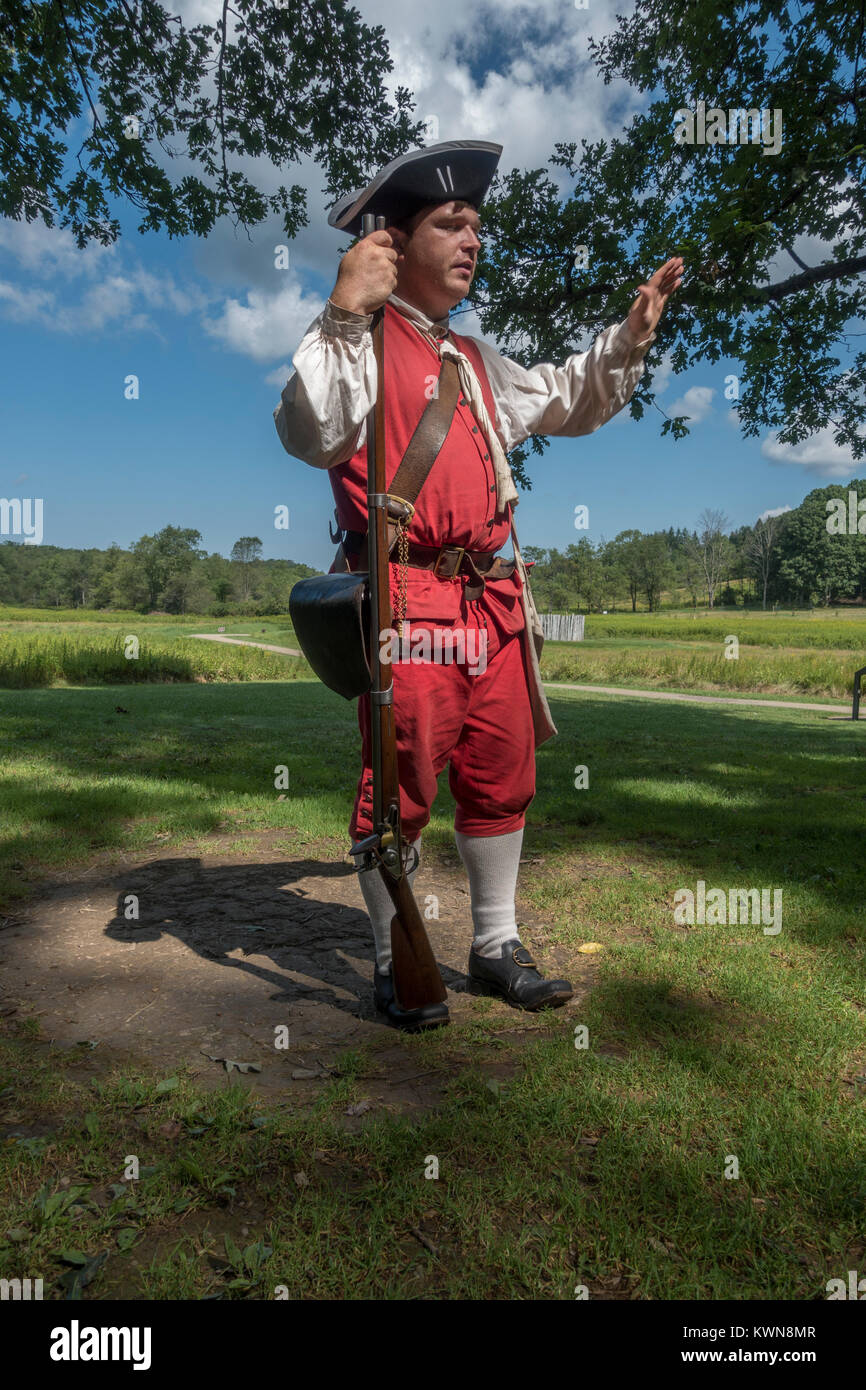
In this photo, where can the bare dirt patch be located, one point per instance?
(230, 945)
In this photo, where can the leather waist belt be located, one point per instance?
(446, 561)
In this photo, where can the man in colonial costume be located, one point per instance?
(484, 723)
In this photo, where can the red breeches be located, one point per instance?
(481, 724)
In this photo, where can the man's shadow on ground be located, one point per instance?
(257, 909)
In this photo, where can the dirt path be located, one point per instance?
(699, 699)
(237, 642)
(230, 945)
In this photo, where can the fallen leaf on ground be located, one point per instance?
(77, 1279)
(230, 1064)
(589, 948)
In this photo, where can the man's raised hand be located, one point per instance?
(367, 274)
(653, 296)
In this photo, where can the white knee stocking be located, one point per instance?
(380, 908)
(491, 862)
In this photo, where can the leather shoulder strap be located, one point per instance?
(429, 436)
(423, 448)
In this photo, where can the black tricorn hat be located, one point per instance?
(457, 169)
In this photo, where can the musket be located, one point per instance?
(416, 976)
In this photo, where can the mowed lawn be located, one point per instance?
(710, 1048)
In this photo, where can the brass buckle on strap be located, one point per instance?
(461, 551)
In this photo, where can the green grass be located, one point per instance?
(9, 613)
(793, 657)
(755, 670)
(602, 1167)
(82, 654)
(842, 629)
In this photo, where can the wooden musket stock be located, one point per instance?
(416, 976)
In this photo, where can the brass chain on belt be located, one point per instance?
(402, 538)
(403, 575)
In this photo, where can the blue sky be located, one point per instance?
(209, 327)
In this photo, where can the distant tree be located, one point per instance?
(712, 550)
(81, 573)
(164, 556)
(130, 587)
(106, 565)
(626, 552)
(52, 578)
(584, 565)
(814, 563)
(245, 553)
(759, 548)
(653, 559)
(614, 582)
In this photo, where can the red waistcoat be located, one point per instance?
(457, 504)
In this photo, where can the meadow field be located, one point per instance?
(606, 1168)
(796, 655)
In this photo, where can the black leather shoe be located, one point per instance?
(514, 976)
(410, 1020)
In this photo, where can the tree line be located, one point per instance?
(814, 554)
(167, 572)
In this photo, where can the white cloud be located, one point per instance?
(23, 306)
(51, 251)
(774, 511)
(162, 292)
(820, 454)
(90, 291)
(280, 375)
(696, 403)
(117, 301)
(662, 372)
(267, 324)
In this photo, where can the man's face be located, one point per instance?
(436, 263)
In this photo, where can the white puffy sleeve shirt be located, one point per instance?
(321, 418)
